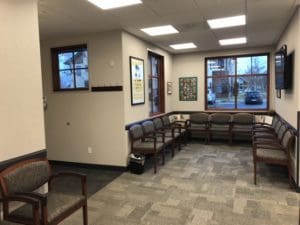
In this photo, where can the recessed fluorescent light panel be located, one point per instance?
(233, 41)
(111, 4)
(227, 22)
(161, 30)
(183, 46)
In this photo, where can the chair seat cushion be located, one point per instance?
(148, 146)
(58, 203)
(169, 134)
(219, 127)
(168, 140)
(241, 128)
(271, 154)
(195, 126)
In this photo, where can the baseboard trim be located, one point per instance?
(38, 154)
(88, 165)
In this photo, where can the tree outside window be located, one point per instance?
(237, 82)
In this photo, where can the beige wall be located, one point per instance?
(96, 118)
(289, 103)
(132, 46)
(187, 65)
(22, 122)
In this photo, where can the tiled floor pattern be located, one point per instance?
(201, 185)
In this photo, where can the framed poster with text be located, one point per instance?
(137, 80)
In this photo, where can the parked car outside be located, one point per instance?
(211, 97)
(253, 97)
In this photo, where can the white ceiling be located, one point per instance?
(266, 20)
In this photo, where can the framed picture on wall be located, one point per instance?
(137, 80)
(188, 89)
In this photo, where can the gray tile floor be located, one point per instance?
(202, 184)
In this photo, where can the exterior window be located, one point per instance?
(70, 68)
(156, 84)
(237, 82)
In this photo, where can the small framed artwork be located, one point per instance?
(137, 80)
(188, 89)
(169, 88)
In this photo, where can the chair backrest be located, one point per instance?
(199, 118)
(277, 126)
(158, 123)
(274, 121)
(148, 127)
(220, 118)
(287, 139)
(166, 121)
(136, 132)
(25, 176)
(243, 118)
(281, 132)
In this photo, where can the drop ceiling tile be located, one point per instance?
(230, 32)
(221, 8)
(163, 7)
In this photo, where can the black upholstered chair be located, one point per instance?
(198, 124)
(268, 133)
(170, 138)
(25, 177)
(242, 125)
(146, 143)
(179, 131)
(220, 123)
(274, 153)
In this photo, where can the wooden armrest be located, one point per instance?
(22, 198)
(25, 198)
(38, 196)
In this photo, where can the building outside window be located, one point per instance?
(70, 68)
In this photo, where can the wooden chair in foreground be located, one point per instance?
(27, 176)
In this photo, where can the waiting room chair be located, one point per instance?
(170, 137)
(242, 124)
(25, 177)
(274, 153)
(141, 145)
(198, 125)
(220, 123)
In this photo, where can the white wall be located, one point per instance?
(289, 103)
(22, 121)
(96, 118)
(193, 64)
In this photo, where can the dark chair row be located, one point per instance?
(225, 124)
(154, 136)
(272, 145)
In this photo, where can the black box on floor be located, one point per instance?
(137, 163)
